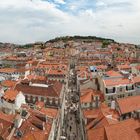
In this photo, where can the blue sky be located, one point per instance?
(23, 21)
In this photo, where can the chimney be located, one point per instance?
(129, 79)
(30, 83)
(43, 124)
(113, 104)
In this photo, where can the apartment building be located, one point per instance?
(90, 98)
(115, 85)
(47, 93)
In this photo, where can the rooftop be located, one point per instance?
(10, 95)
(129, 104)
(118, 81)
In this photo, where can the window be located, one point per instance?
(130, 87)
(130, 94)
(111, 90)
(121, 89)
(122, 96)
(138, 85)
(85, 104)
(42, 98)
(110, 97)
(56, 101)
(28, 98)
(109, 104)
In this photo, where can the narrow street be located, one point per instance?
(71, 127)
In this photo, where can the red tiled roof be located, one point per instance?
(10, 94)
(56, 72)
(97, 134)
(124, 66)
(6, 117)
(129, 104)
(50, 112)
(6, 121)
(8, 83)
(91, 113)
(113, 73)
(102, 67)
(31, 129)
(100, 117)
(138, 67)
(136, 79)
(118, 81)
(36, 78)
(52, 91)
(87, 96)
(7, 70)
(40, 104)
(123, 130)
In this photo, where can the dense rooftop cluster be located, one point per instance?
(33, 81)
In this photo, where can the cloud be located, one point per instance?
(60, 1)
(23, 21)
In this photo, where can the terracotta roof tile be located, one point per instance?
(129, 104)
(123, 130)
(118, 81)
(113, 73)
(126, 66)
(52, 91)
(100, 117)
(50, 112)
(97, 134)
(138, 67)
(7, 70)
(87, 95)
(136, 79)
(10, 95)
(103, 67)
(8, 83)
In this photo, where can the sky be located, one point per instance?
(26, 21)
